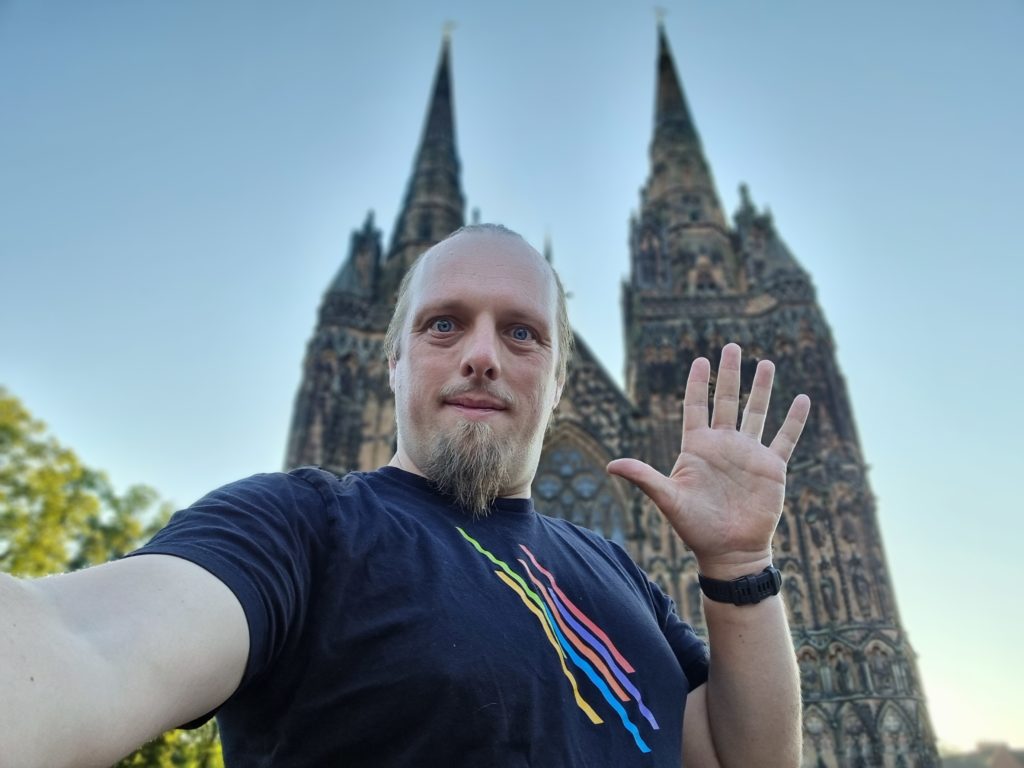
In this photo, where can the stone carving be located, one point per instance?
(795, 599)
(883, 676)
(819, 740)
(571, 484)
(861, 586)
(828, 589)
(844, 672)
(816, 524)
(810, 672)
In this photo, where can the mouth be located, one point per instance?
(476, 402)
(474, 405)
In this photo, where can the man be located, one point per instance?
(424, 614)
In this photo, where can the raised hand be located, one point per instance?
(725, 493)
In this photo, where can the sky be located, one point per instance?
(179, 182)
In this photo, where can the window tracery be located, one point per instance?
(573, 485)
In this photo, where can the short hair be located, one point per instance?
(392, 338)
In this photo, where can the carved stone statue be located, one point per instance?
(810, 675)
(881, 670)
(844, 673)
(795, 599)
(828, 590)
(861, 586)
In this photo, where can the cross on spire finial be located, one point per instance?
(660, 12)
(447, 28)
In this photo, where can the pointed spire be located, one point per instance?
(680, 175)
(358, 273)
(746, 204)
(434, 204)
(771, 266)
(439, 131)
(672, 119)
(680, 242)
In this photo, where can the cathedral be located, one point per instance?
(696, 281)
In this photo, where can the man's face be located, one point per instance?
(476, 368)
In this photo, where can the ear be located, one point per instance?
(559, 386)
(392, 362)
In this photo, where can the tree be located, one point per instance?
(57, 515)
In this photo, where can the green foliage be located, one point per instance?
(192, 749)
(58, 515)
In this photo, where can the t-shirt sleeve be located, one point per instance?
(690, 650)
(263, 537)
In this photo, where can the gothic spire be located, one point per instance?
(671, 114)
(680, 175)
(434, 204)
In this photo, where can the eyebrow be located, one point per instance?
(448, 306)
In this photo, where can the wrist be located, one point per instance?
(733, 566)
(746, 590)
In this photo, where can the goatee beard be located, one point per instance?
(471, 465)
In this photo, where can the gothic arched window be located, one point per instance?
(572, 484)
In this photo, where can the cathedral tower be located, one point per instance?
(695, 284)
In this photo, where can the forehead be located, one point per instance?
(499, 271)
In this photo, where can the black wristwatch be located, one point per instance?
(746, 590)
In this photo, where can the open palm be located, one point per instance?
(725, 493)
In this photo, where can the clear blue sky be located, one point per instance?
(178, 182)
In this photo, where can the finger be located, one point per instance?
(695, 401)
(757, 404)
(727, 389)
(655, 485)
(785, 441)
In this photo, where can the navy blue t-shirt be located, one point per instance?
(388, 628)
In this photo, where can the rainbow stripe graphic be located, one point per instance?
(575, 637)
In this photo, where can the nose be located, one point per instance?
(480, 354)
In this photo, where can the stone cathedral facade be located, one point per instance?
(696, 281)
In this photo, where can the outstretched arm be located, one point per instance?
(95, 663)
(724, 497)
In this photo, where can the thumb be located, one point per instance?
(645, 477)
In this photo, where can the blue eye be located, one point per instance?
(443, 325)
(522, 333)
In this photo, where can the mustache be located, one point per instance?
(455, 390)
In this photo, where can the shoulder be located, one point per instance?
(304, 483)
(272, 510)
(302, 488)
(304, 492)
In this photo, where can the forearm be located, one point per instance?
(753, 688)
(37, 708)
(64, 703)
(96, 662)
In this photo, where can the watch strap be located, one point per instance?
(746, 590)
